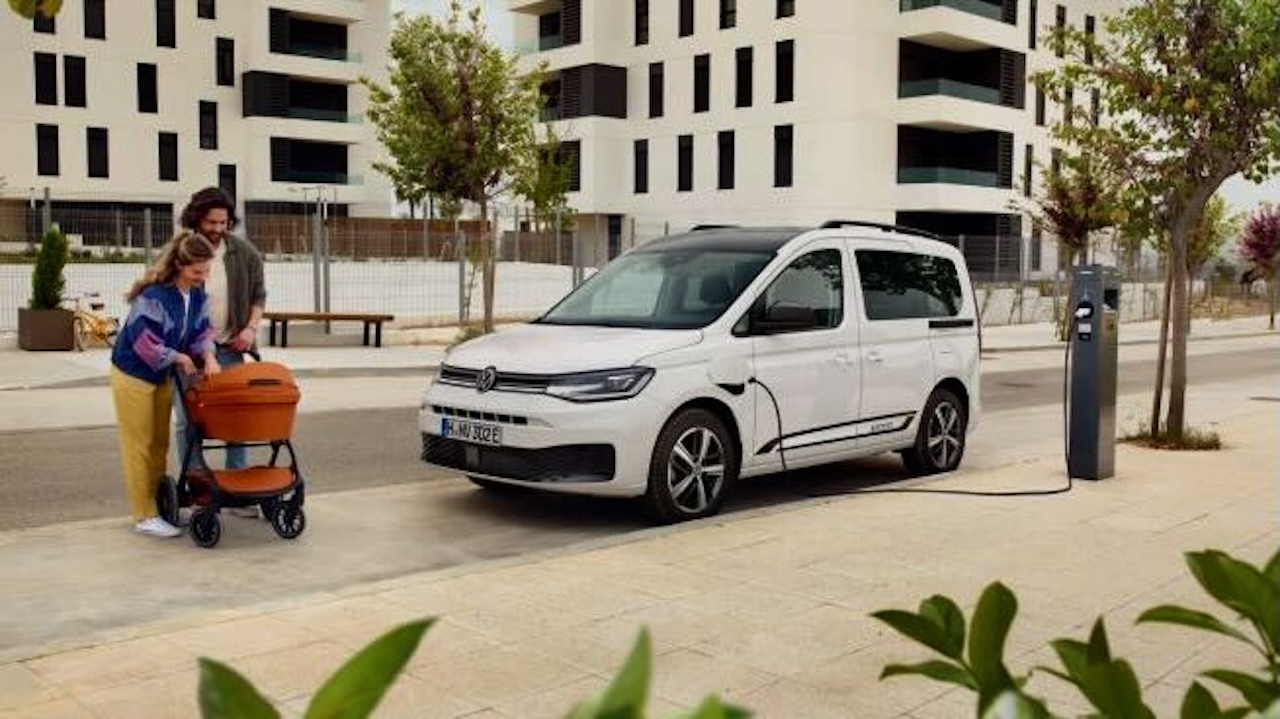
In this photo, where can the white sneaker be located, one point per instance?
(156, 527)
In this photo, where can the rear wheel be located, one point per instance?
(940, 439)
(205, 528)
(694, 463)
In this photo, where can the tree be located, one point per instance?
(29, 8)
(458, 117)
(1189, 90)
(547, 186)
(1260, 246)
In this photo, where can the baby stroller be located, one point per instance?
(253, 404)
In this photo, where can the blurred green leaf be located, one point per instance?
(936, 669)
(225, 694)
(1013, 704)
(627, 694)
(947, 616)
(929, 629)
(1173, 614)
(1109, 684)
(1198, 703)
(1272, 712)
(356, 688)
(1272, 570)
(713, 708)
(1099, 647)
(1258, 693)
(1240, 586)
(990, 627)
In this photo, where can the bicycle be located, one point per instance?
(91, 325)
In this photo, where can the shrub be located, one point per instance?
(47, 282)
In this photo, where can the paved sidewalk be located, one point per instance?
(769, 608)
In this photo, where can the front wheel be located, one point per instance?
(940, 439)
(694, 464)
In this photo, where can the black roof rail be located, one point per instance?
(832, 224)
(696, 228)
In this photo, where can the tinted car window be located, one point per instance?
(813, 280)
(904, 285)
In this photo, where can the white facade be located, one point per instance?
(186, 75)
(849, 113)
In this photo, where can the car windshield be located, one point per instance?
(664, 289)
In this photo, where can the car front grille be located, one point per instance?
(506, 382)
(498, 417)
(570, 463)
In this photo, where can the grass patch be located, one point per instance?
(468, 332)
(1192, 439)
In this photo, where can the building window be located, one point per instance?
(166, 24)
(1088, 36)
(655, 89)
(207, 9)
(47, 25)
(782, 160)
(147, 88)
(1037, 248)
(95, 19)
(1095, 106)
(786, 61)
(96, 152)
(168, 151)
(742, 86)
(1060, 26)
(725, 172)
(46, 78)
(225, 61)
(686, 18)
(786, 8)
(1033, 12)
(1055, 162)
(642, 22)
(1028, 166)
(208, 125)
(73, 76)
(1040, 107)
(684, 163)
(227, 180)
(569, 154)
(641, 155)
(728, 14)
(701, 83)
(47, 150)
(1068, 105)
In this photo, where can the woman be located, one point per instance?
(167, 328)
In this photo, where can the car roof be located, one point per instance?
(727, 239)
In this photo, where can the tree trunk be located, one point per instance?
(1271, 291)
(1186, 219)
(490, 264)
(1158, 397)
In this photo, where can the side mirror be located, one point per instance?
(783, 317)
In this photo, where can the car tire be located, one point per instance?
(940, 438)
(693, 466)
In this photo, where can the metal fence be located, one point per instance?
(427, 273)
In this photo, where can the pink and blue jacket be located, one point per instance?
(156, 331)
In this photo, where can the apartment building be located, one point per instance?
(116, 106)
(779, 112)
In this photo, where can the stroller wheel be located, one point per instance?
(206, 530)
(167, 500)
(286, 526)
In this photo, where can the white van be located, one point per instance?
(698, 359)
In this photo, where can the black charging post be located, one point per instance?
(1091, 427)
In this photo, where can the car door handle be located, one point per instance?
(875, 356)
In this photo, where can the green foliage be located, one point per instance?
(47, 282)
(457, 117)
(29, 8)
(353, 692)
(1107, 682)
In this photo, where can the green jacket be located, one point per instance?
(246, 286)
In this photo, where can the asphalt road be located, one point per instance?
(51, 477)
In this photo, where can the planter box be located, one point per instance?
(46, 329)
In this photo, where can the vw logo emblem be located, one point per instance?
(487, 379)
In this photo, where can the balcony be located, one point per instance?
(950, 88)
(322, 52)
(316, 177)
(973, 7)
(947, 176)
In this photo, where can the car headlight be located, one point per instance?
(600, 386)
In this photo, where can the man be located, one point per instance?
(236, 294)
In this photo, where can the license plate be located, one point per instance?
(471, 431)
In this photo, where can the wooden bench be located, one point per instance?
(374, 320)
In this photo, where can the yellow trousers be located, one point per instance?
(142, 412)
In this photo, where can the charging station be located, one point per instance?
(1091, 408)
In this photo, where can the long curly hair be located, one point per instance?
(186, 248)
(210, 198)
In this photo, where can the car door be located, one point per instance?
(806, 381)
(896, 351)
